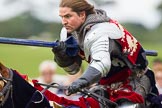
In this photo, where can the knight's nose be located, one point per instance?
(64, 21)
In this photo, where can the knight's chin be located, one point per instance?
(69, 30)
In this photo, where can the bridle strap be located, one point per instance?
(5, 97)
(96, 97)
(7, 88)
(84, 91)
(53, 85)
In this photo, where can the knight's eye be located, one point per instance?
(67, 16)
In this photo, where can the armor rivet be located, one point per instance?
(112, 85)
(116, 91)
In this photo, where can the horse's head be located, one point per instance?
(12, 88)
(5, 83)
(4, 71)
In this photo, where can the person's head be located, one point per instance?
(74, 13)
(157, 68)
(157, 64)
(47, 69)
(158, 77)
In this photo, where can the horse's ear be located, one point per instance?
(1, 66)
(4, 71)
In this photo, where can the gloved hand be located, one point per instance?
(91, 76)
(61, 58)
(60, 48)
(68, 63)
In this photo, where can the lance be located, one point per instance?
(71, 43)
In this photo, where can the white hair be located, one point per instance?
(47, 63)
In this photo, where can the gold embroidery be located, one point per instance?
(132, 45)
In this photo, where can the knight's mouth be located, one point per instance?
(67, 27)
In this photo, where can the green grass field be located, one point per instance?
(153, 46)
(27, 59)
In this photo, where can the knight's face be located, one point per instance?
(70, 19)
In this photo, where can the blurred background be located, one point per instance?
(39, 20)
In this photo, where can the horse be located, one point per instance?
(16, 92)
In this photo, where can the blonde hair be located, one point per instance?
(47, 63)
(78, 6)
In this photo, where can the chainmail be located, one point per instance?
(100, 16)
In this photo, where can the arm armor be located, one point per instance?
(69, 64)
